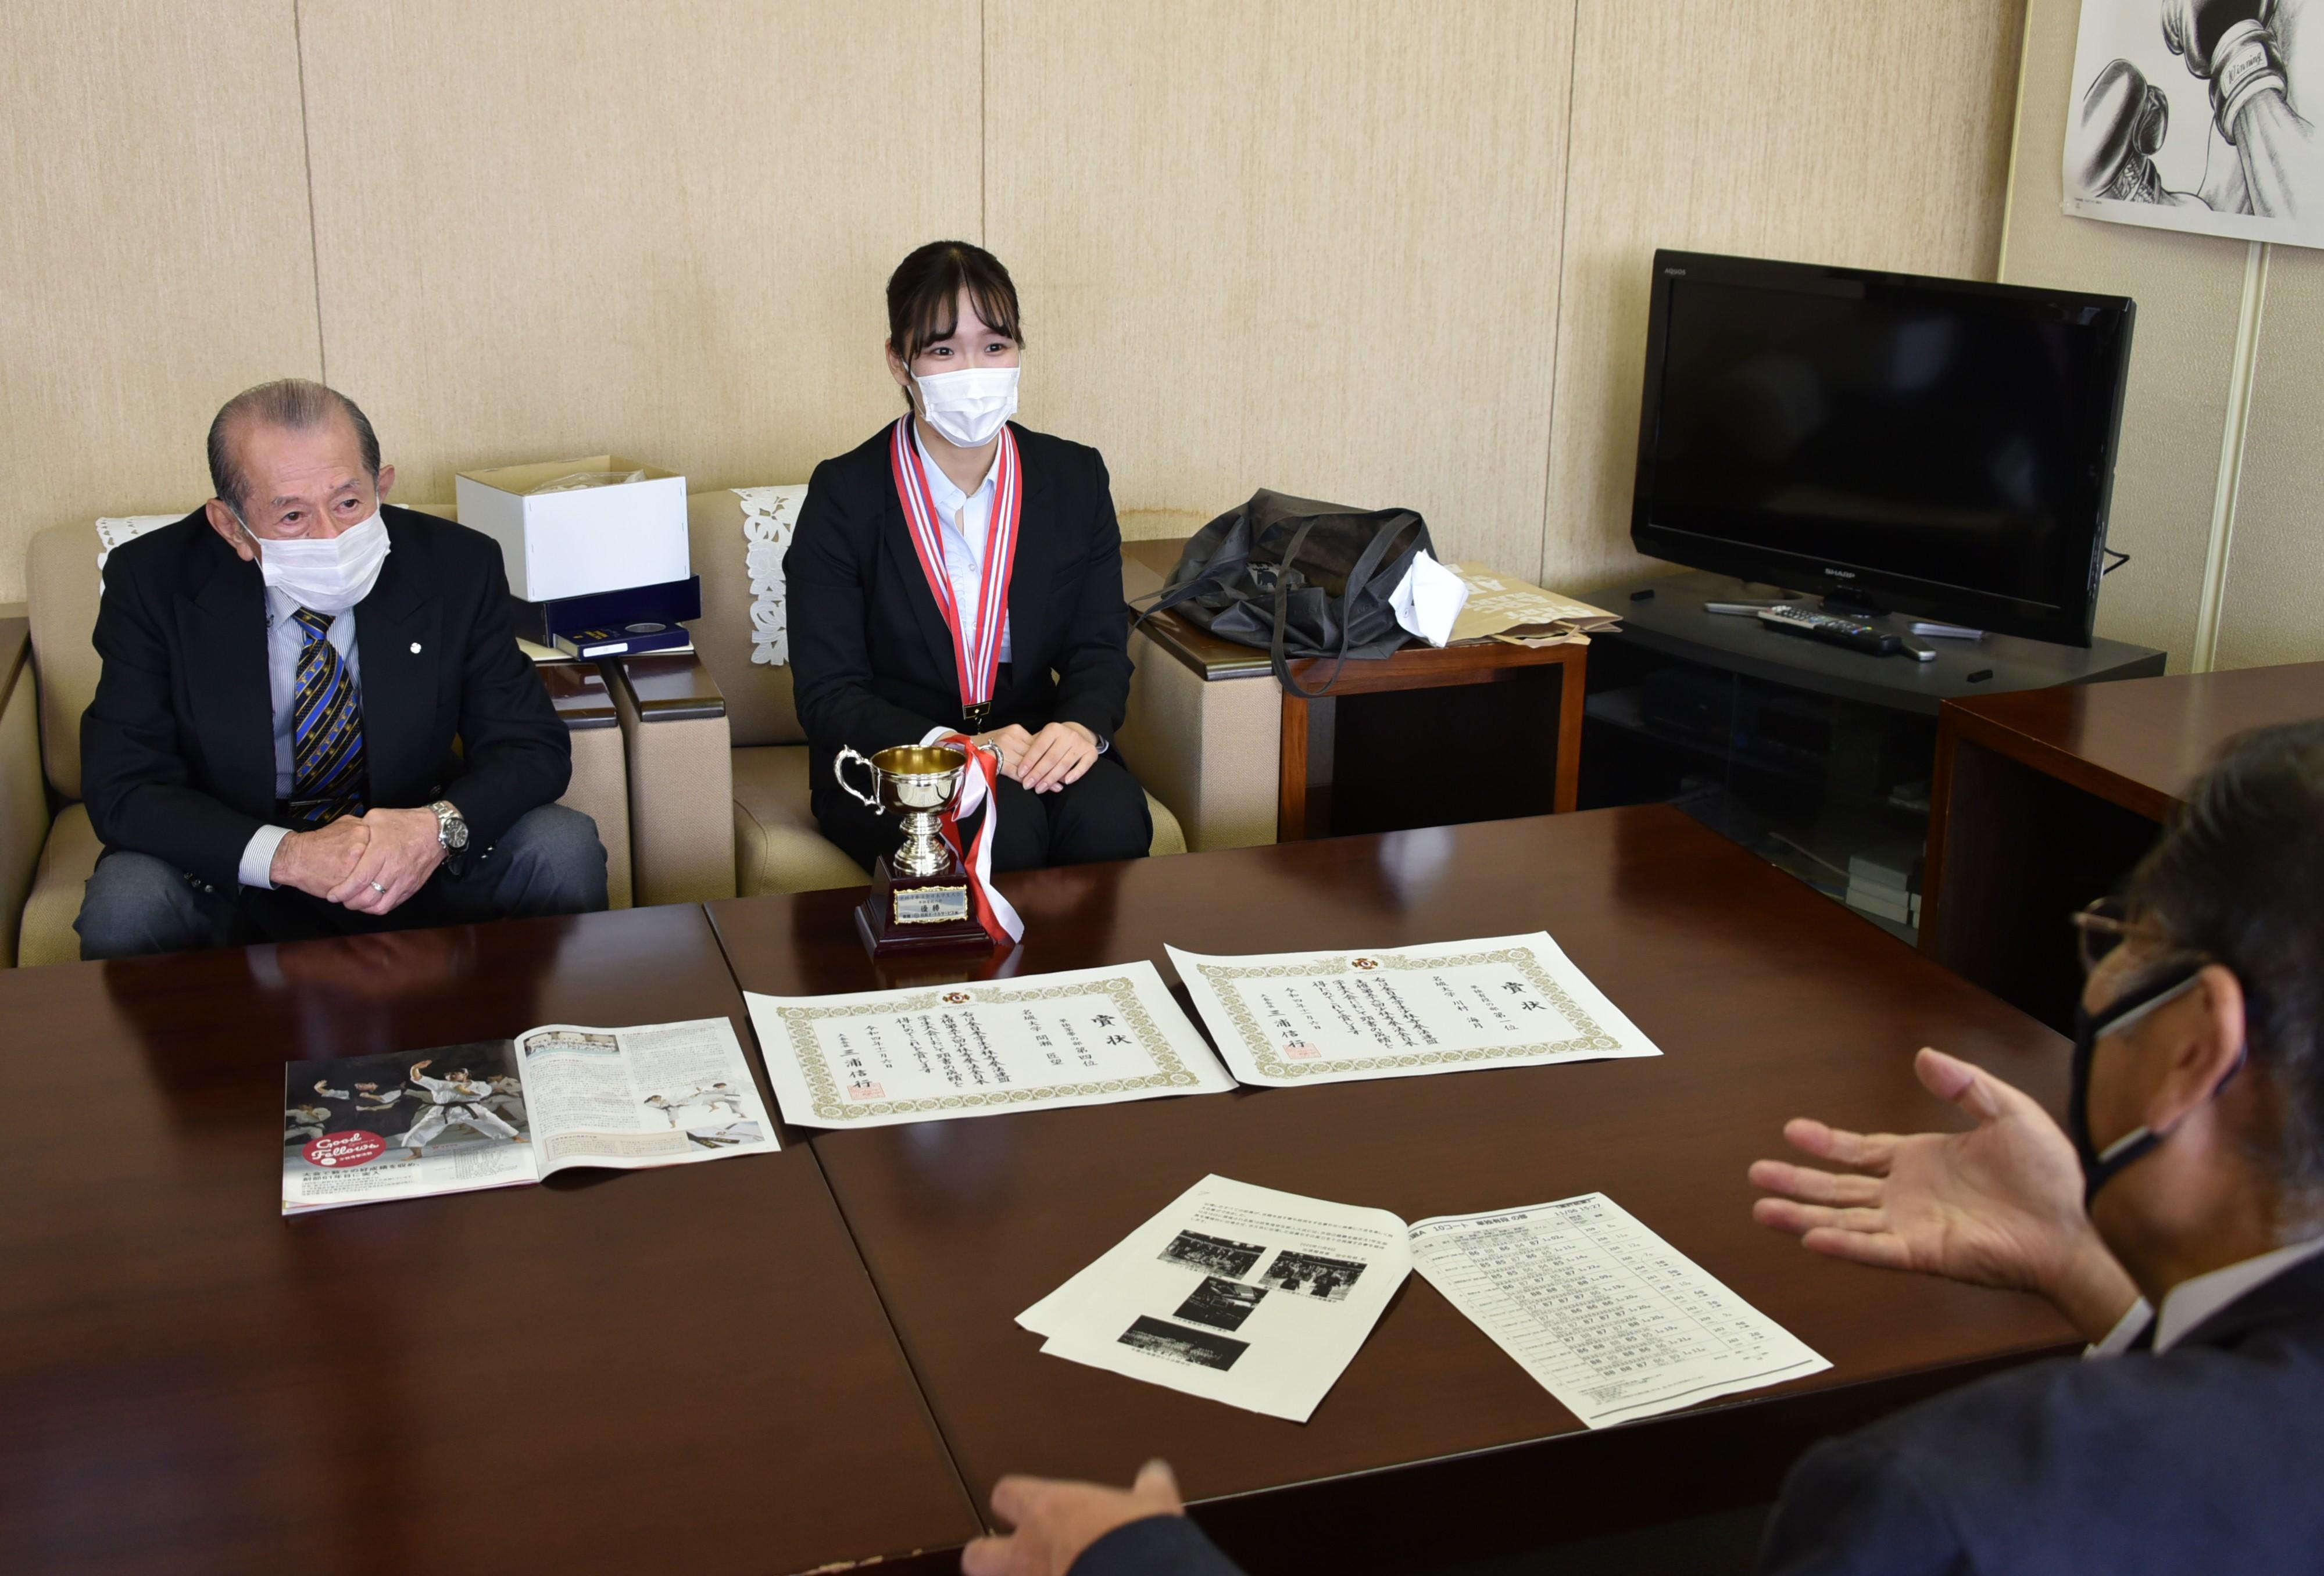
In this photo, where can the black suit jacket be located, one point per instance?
(178, 749)
(871, 661)
(2203, 1458)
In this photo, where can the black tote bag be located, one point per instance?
(1296, 578)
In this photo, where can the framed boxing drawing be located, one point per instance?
(2190, 115)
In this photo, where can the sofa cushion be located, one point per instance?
(1169, 837)
(61, 593)
(66, 860)
(777, 848)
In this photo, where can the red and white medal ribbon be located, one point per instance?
(977, 661)
(980, 786)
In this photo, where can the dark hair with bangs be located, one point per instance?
(2239, 877)
(924, 296)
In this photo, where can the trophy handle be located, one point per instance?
(839, 770)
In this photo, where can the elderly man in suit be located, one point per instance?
(2176, 1219)
(313, 717)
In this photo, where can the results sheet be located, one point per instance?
(1607, 1316)
(1287, 1019)
(1084, 1037)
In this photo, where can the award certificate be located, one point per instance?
(1086, 1036)
(1449, 1006)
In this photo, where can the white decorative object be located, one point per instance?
(770, 515)
(112, 531)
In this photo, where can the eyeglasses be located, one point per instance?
(2101, 927)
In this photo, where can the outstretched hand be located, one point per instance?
(1997, 1206)
(1055, 1521)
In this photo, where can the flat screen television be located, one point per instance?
(1934, 446)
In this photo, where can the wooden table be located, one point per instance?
(1768, 1002)
(680, 1369)
(2044, 799)
(1429, 746)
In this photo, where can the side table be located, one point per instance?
(2045, 800)
(1435, 736)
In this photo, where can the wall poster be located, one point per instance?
(2195, 114)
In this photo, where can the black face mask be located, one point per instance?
(2102, 1166)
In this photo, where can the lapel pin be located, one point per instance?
(415, 648)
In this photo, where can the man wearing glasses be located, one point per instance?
(2176, 1219)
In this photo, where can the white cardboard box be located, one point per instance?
(586, 540)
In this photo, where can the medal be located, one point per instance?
(976, 664)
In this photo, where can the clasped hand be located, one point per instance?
(1045, 762)
(370, 864)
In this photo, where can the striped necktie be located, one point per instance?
(327, 748)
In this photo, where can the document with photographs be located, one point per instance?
(1610, 1319)
(1240, 1293)
(1086, 1037)
(498, 1113)
(1287, 1019)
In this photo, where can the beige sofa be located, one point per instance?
(47, 848)
(776, 845)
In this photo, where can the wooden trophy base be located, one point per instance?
(920, 914)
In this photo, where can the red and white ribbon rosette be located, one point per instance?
(979, 784)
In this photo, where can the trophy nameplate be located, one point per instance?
(920, 899)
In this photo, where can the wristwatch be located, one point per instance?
(451, 831)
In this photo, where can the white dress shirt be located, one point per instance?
(286, 637)
(2190, 1302)
(965, 526)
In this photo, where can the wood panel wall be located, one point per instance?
(2275, 562)
(1386, 251)
(2189, 289)
(1308, 246)
(155, 255)
(1818, 130)
(655, 231)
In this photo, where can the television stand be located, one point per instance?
(1815, 757)
(1840, 604)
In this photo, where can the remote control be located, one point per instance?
(1838, 632)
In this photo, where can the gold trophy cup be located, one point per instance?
(919, 899)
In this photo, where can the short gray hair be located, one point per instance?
(296, 404)
(2239, 879)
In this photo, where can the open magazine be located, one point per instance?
(499, 1113)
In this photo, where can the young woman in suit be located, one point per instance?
(915, 545)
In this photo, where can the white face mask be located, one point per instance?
(968, 406)
(326, 577)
